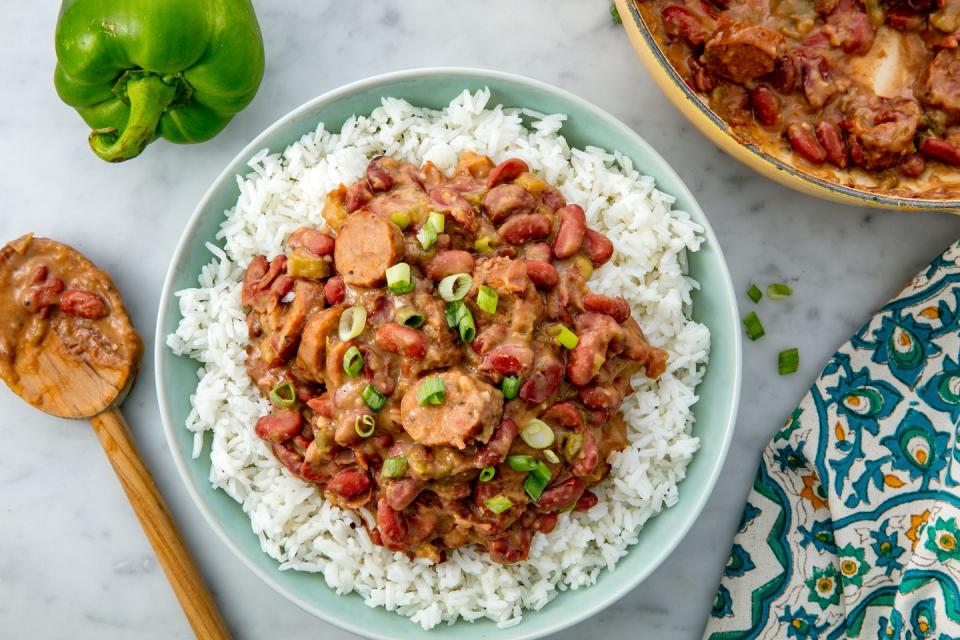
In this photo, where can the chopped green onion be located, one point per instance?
(542, 471)
(352, 321)
(399, 280)
(754, 328)
(455, 287)
(410, 317)
(537, 481)
(486, 475)
(394, 467)
(468, 331)
(551, 456)
(368, 423)
(284, 395)
(615, 14)
(352, 362)
(537, 434)
(779, 291)
(788, 361)
(436, 220)
(510, 387)
(432, 391)
(572, 446)
(754, 293)
(522, 463)
(487, 299)
(373, 398)
(427, 236)
(498, 503)
(401, 219)
(566, 338)
(482, 245)
(452, 313)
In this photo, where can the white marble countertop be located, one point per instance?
(73, 560)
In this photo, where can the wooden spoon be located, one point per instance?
(67, 347)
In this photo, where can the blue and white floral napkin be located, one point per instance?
(852, 529)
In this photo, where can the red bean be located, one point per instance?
(564, 414)
(524, 227)
(616, 308)
(41, 296)
(552, 197)
(322, 405)
(506, 171)
(913, 166)
(940, 150)
(447, 263)
(289, 458)
(830, 138)
(600, 396)
(401, 493)
(39, 274)
(766, 105)
(349, 483)
(539, 251)
(508, 359)
(391, 525)
(586, 502)
(507, 200)
(680, 22)
(280, 425)
(398, 338)
(561, 495)
(573, 226)
(83, 304)
(586, 461)
(585, 359)
(543, 274)
(334, 291)
(547, 522)
(452, 203)
(316, 242)
(378, 177)
(597, 247)
(805, 143)
(703, 80)
(357, 196)
(542, 383)
(497, 448)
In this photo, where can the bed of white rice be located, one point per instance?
(295, 525)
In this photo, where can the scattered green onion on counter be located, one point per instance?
(498, 503)
(394, 467)
(566, 338)
(436, 220)
(537, 434)
(788, 361)
(754, 328)
(615, 14)
(486, 475)
(364, 426)
(352, 362)
(455, 287)
(352, 321)
(284, 395)
(410, 317)
(487, 299)
(401, 219)
(399, 280)
(373, 398)
(779, 291)
(510, 387)
(433, 391)
(754, 293)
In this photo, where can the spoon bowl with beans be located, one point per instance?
(68, 348)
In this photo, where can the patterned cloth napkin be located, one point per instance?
(852, 529)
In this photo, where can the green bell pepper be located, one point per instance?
(136, 70)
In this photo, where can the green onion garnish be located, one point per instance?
(436, 220)
(487, 299)
(373, 398)
(542, 471)
(455, 287)
(498, 503)
(468, 331)
(779, 291)
(401, 219)
(788, 361)
(487, 473)
(537, 434)
(754, 328)
(283, 395)
(482, 245)
(352, 362)
(551, 456)
(432, 391)
(510, 387)
(394, 467)
(399, 280)
(754, 293)
(410, 317)
(352, 321)
(427, 236)
(522, 463)
(364, 426)
(537, 481)
(452, 313)
(566, 338)
(615, 14)
(572, 446)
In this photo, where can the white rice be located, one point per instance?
(293, 521)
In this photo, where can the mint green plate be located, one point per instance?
(714, 305)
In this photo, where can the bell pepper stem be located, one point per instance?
(149, 96)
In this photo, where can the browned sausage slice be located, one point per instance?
(471, 410)
(742, 52)
(366, 246)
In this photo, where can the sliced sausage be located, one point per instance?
(367, 246)
(680, 22)
(742, 52)
(311, 355)
(881, 131)
(471, 408)
(941, 81)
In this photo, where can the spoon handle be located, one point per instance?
(148, 504)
